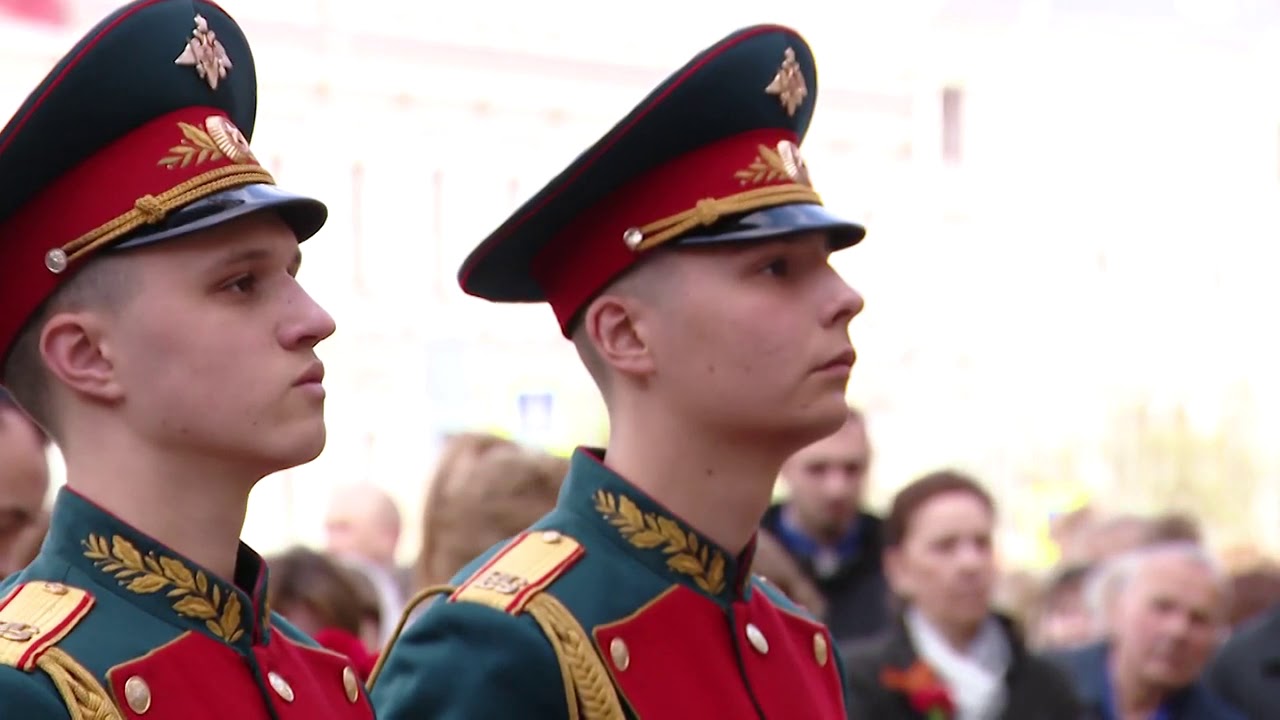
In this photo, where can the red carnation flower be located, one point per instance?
(926, 693)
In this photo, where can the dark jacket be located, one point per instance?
(1246, 674)
(1087, 667)
(1037, 690)
(856, 593)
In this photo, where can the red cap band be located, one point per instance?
(753, 170)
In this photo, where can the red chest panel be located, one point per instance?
(682, 656)
(198, 678)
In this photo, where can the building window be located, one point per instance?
(952, 134)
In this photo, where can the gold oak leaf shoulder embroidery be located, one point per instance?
(196, 146)
(194, 596)
(649, 531)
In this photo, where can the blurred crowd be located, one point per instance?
(1139, 619)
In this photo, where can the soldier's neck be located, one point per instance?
(197, 515)
(721, 488)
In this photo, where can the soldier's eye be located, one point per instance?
(778, 268)
(242, 284)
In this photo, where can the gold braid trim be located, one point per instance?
(550, 631)
(588, 690)
(414, 602)
(710, 210)
(84, 696)
(151, 209)
(591, 690)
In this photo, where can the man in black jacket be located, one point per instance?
(1247, 671)
(824, 529)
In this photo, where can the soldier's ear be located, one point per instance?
(77, 352)
(615, 326)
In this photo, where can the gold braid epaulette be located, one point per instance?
(587, 684)
(513, 582)
(33, 619)
(83, 695)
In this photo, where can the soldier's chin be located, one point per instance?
(803, 428)
(298, 450)
(827, 415)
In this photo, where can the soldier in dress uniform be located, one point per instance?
(152, 323)
(686, 254)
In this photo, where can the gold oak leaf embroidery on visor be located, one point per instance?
(219, 138)
(195, 148)
(775, 165)
(649, 531)
(147, 574)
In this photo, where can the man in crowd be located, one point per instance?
(1065, 620)
(823, 526)
(1167, 616)
(362, 528)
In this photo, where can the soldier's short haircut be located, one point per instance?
(104, 283)
(644, 281)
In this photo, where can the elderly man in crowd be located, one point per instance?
(24, 482)
(1168, 606)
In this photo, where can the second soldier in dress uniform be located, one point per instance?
(686, 254)
(151, 321)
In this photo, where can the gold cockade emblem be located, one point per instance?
(229, 140)
(205, 53)
(789, 84)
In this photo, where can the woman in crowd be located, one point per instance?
(484, 495)
(949, 655)
(456, 460)
(328, 601)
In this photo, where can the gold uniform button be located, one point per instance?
(350, 684)
(757, 639)
(620, 654)
(55, 588)
(137, 694)
(820, 649)
(280, 686)
(551, 537)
